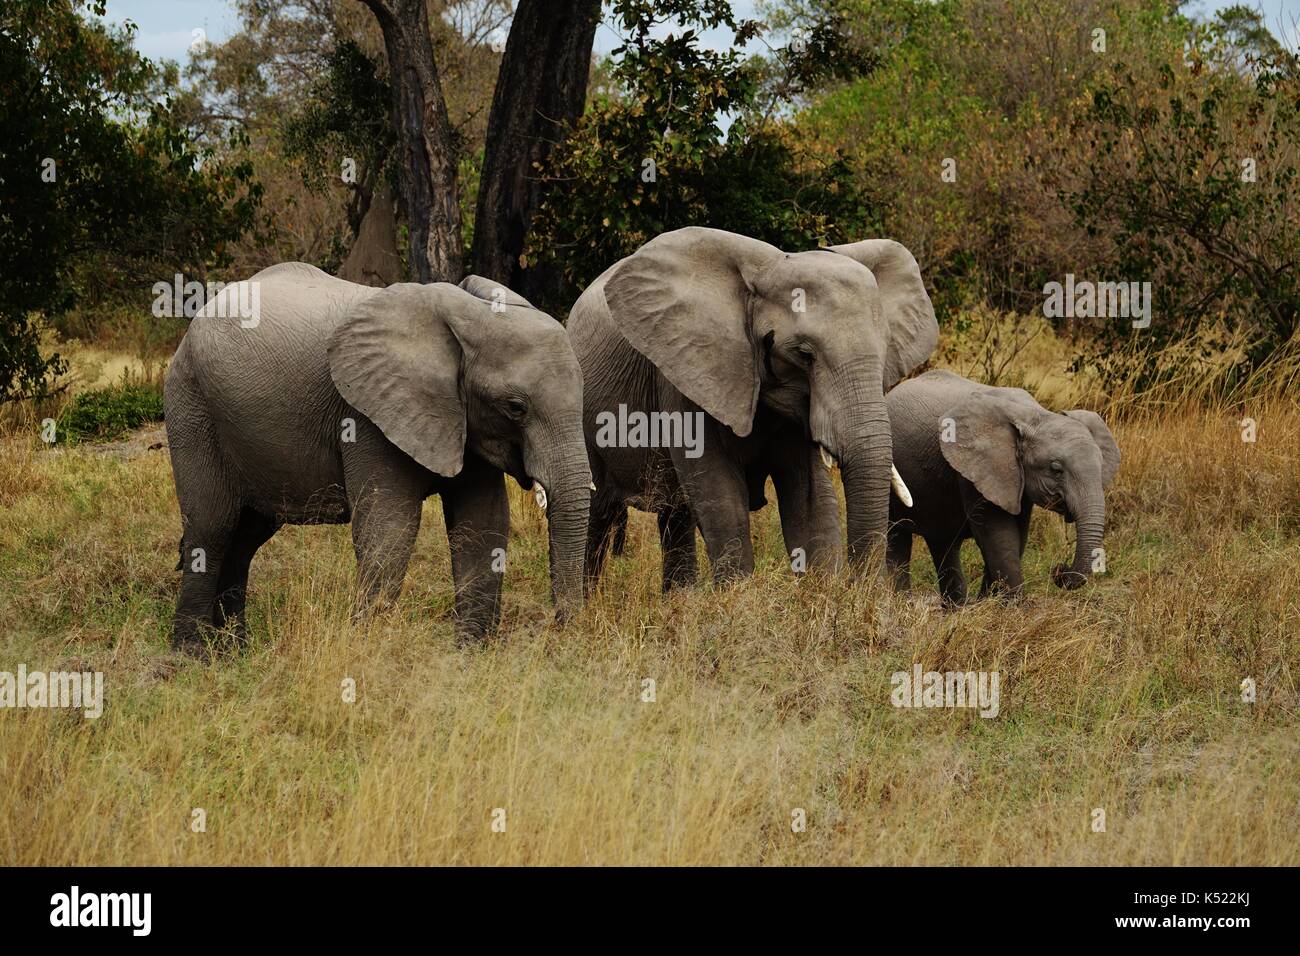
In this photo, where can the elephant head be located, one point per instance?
(440, 369)
(1011, 449)
(817, 337)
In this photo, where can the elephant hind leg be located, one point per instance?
(252, 531)
(677, 539)
(206, 540)
(947, 564)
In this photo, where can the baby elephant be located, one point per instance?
(977, 459)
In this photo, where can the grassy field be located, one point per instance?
(770, 697)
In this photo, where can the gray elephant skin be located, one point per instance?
(781, 353)
(344, 403)
(977, 459)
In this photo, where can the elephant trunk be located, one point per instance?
(1089, 513)
(866, 458)
(568, 490)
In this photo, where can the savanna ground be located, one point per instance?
(771, 695)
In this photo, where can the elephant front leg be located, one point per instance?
(946, 554)
(718, 495)
(608, 521)
(898, 556)
(677, 540)
(478, 527)
(810, 510)
(385, 523)
(998, 535)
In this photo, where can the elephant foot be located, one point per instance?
(1063, 576)
(193, 645)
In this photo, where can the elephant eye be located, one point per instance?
(516, 407)
(805, 352)
(1057, 467)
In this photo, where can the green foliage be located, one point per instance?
(104, 414)
(346, 116)
(652, 156)
(1196, 176)
(94, 167)
(1114, 161)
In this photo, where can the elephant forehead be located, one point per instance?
(1063, 438)
(823, 276)
(530, 350)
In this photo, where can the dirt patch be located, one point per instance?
(142, 441)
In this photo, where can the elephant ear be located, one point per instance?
(1104, 439)
(682, 301)
(396, 358)
(986, 448)
(490, 291)
(913, 330)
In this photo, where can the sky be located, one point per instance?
(166, 27)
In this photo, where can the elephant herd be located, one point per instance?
(734, 361)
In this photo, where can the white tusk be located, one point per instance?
(540, 494)
(827, 461)
(592, 486)
(900, 489)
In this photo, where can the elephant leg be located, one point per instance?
(385, 522)
(946, 555)
(898, 556)
(478, 528)
(718, 494)
(607, 524)
(677, 540)
(810, 509)
(998, 535)
(253, 530)
(204, 543)
(384, 528)
(1022, 523)
(620, 533)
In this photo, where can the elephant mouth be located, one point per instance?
(1057, 505)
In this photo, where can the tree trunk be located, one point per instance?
(427, 160)
(373, 258)
(541, 89)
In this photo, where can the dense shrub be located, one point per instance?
(103, 414)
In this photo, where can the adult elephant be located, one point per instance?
(978, 458)
(337, 402)
(782, 358)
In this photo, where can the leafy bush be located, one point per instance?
(1195, 177)
(95, 165)
(103, 414)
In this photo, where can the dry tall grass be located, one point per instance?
(770, 696)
